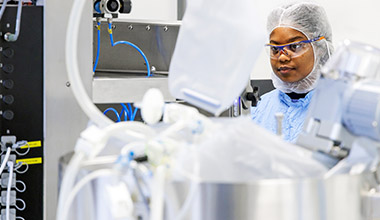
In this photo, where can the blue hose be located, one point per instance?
(130, 108)
(125, 114)
(98, 49)
(134, 114)
(130, 44)
(132, 118)
(114, 110)
(125, 109)
(129, 111)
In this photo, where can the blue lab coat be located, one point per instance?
(294, 111)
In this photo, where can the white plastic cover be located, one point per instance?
(241, 151)
(217, 46)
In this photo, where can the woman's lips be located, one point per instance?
(285, 69)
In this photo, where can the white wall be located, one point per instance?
(165, 10)
(64, 119)
(350, 19)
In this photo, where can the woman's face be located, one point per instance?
(286, 67)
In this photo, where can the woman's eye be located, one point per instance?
(274, 50)
(295, 47)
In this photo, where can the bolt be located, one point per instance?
(166, 28)
(147, 28)
(67, 84)
(130, 27)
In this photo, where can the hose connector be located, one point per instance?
(109, 20)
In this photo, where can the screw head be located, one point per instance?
(68, 84)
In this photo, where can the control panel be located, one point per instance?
(21, 114)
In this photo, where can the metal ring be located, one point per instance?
(25, 153)
(22, 183)
(18, 208)
(22, 172)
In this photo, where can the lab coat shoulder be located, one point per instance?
(265, 105)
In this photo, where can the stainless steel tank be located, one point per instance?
(337, 198)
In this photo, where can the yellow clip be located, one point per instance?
(109, 31)
(98, 26)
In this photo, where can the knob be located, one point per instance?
(97, 6)
(8, 52)
(8, 68)
(8, 83)
(112, 6)
(8, 114)
(8, 99)
(126, 7)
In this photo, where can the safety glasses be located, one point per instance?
(294, 49)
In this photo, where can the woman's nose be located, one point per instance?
(284, 56)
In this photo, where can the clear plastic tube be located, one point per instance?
(6, 157)
(13, 37)
(68, 181)
(8, 199)
(94, 114)
(157, 198)
(189, 199)
(3, 8)
(78, 187)
(133, 165)
(124, 131)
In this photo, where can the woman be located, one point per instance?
(299, 45)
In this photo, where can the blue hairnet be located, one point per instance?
(311, 20)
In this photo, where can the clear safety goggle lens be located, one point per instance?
(292, 50)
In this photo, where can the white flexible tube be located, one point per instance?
(68, 181)
(78, 187)
(94, 114)
(6, 157)
(8, 202)
(13, 37)
(123, 130)
(3, 8)
(18, 19)
(114, 129)
(157, 199)
(188, 201)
